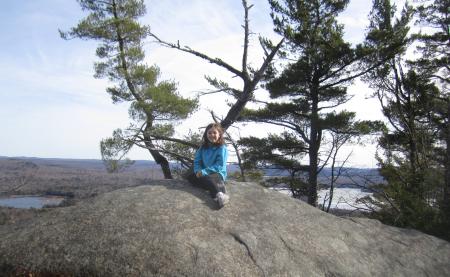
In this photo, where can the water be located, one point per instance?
(343, 198)
(26, 202)
(346, 199)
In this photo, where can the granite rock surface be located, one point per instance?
(169, 228)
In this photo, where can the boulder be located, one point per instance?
(170, 228)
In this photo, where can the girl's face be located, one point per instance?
(213, 135)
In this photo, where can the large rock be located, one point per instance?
(172, 229)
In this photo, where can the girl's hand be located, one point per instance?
(198, 174)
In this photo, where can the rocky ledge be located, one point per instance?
(169, 228)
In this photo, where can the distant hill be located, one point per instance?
(350, 176)
(92, 164)
(326, 171)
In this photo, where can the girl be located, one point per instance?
(210, 164)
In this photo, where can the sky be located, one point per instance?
(51, 106)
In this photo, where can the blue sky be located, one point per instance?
(52, 106)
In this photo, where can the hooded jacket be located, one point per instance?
(212, 159)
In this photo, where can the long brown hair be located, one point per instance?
(220, 141)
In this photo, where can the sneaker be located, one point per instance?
(222, 199)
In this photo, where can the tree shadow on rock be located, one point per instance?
(185, 186)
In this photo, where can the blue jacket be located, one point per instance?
(211, 160)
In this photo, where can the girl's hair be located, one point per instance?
(220, 141)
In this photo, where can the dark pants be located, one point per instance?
(213, 183)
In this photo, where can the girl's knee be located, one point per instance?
(216, 177)
(220, 184)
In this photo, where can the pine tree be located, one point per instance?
(320, 64)
(113, 151)
(154, 106)
(413, 181)
(434, 62)
(277, 152)
(408, 97)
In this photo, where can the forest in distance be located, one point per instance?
(75, 180)
(80, 179)
(144, 165)
(88, 177)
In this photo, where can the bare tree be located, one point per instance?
(250, 76)
(338, 140)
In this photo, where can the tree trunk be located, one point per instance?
(446, 199)
(416, 183)
(332, 182)
(159, 159)
(314, 143)
(312, 178)
(234, 112)
(162, 161)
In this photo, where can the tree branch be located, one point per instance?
(186, 49)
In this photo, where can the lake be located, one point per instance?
(27, 202)
(343, 198)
